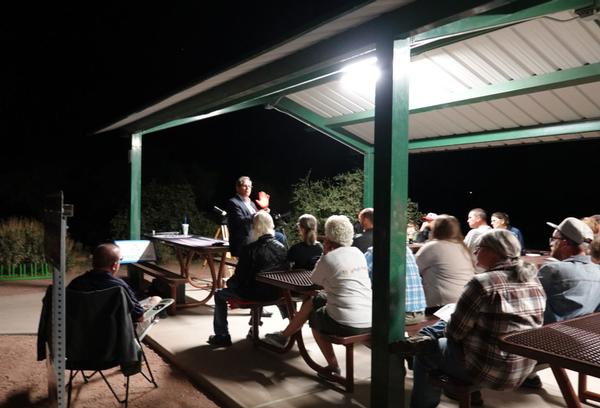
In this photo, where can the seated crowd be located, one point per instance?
(483, 273)
(494, 290)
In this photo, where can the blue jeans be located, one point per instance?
(220, 325)
(448, 358)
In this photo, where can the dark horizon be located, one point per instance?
(69, 72)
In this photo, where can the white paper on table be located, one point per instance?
(445, 312)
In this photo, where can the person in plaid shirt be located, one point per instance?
(508, 297)
(414, 305)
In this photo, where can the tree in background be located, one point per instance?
(163, 209)
(341, 194)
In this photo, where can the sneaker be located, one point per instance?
(329, 373)
(219, 340)
(276, 339)
(415, 344)
(533, 382)
(476, 399)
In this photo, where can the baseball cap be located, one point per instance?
(430, 217)
(574, 229)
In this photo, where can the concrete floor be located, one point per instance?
(243, 376)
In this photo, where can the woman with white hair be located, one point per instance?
(343, 307)
(508, 297)
(263, 253)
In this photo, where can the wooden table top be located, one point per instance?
(191, 241)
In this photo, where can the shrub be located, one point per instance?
(163, 209)
(21, 241)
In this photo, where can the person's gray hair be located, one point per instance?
(309, 224)
(241, 180)
(339, 230)
(262, 224)
(504, 244)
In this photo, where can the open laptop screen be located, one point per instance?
(136, 251)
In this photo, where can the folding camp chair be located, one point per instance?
(101, 335)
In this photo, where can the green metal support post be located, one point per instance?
(368, 178)
(390, 199)
(135, 209)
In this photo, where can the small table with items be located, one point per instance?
(186, 247)
(571, 344)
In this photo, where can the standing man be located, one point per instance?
(477, 220)
(240, 210)
(572, 285)
(364, 240)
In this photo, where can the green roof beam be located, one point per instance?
(501, 17)
(553, 80)
(513, 134)
(351, 119)
(315, 121)
(184, 121)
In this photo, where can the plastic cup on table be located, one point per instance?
(185, 228)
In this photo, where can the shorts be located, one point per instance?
(323, 323)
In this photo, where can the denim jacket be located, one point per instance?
(572, 288)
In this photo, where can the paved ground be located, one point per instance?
(242, 376)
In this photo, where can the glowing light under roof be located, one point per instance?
(362, 76)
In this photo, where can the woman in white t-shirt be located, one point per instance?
(445, 264)
(343, 307)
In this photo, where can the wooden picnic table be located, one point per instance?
(186, 247)
(571, 344)
(298, 281)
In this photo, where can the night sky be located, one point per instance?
(70, 70)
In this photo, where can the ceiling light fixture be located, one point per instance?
(361, 76)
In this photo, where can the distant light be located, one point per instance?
(136, 141)
(362, 76)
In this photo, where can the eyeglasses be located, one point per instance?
(552, 239)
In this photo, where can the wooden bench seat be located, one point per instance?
(171, 279)
(349, 341)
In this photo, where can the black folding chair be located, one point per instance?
(100, 335)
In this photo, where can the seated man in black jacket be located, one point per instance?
(264, 253)
(106, 260)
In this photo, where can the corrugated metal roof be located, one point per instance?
(530, 49)
(326, 30)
